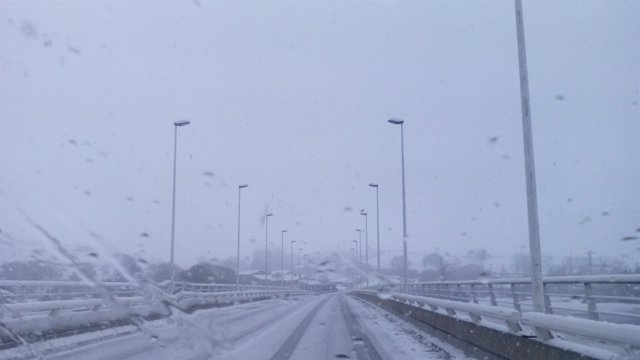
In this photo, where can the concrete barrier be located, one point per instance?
(501, 344)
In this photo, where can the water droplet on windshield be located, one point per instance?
(384, 293)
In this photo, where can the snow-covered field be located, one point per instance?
(305, 327)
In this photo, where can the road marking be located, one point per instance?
(285, 351)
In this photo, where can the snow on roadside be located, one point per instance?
(400, 339)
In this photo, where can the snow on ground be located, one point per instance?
(399, 339)
(183, 336)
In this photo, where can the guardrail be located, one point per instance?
(545, 327)
(614, 298)
(35, 310)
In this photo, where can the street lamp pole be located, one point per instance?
(282, 256)
(353, 273)
(266, 246)
(240, 187)
(305, 261)
(529, 165)
(298, 264)
(404, 202)
(356, 249)
(366, 237)
(377, 222)
(360, 243)
(292, 241)
(173, 203)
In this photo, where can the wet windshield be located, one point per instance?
(319, 179)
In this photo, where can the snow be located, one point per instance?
(306, 327)
(408, 342)
(619, 333)
(301, 327)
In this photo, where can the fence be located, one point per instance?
(614, 298)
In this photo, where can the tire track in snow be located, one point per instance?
(286, 350)
(364, 348)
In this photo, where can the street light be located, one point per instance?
(377, 221)
(529, 166)
(360, 242)
(266, 246)
(240, 187)
(292, 241)
(356, 249)
(304, 264)
(282, 256)
(404, 203)
(366, 237)
(173, 203)
(353, 273)
(299, 267)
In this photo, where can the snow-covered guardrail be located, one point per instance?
(40, 309)
(476, 313)
(597, 330)
(545, 326)
(613, 298)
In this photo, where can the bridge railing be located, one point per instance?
(32, 310)
(544, 326)
(614, 298)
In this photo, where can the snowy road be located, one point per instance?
(332, 326)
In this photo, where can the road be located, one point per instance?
(331, 326)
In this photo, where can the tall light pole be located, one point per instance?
(240, 187)
(360, 243)
(366, 237)
(529, 167)
(356, 250)
(404, 202)
(176, 124)
(298, 262)
(377, 222)
(305, 261)
(353, 273)
(266, 246)
(282, 256)
(292, 242)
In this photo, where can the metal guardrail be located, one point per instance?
(516, 322)
(613, 298)
(32, 310)
(21, 297)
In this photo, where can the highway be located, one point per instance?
(330, 326)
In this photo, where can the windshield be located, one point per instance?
(319, 179)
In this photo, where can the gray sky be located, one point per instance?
(292, 98)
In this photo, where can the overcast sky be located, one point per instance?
(292, 98)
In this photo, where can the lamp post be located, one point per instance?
(298, 264)
(366, 237)
(353, 274)
(266, 246)
(240, 187)
(356, 250)
(305, 261)
(282, 256)
(360, 242)
(176, 124)
(377, 222)
(292, 242)
(404, 203)
(529, 166)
